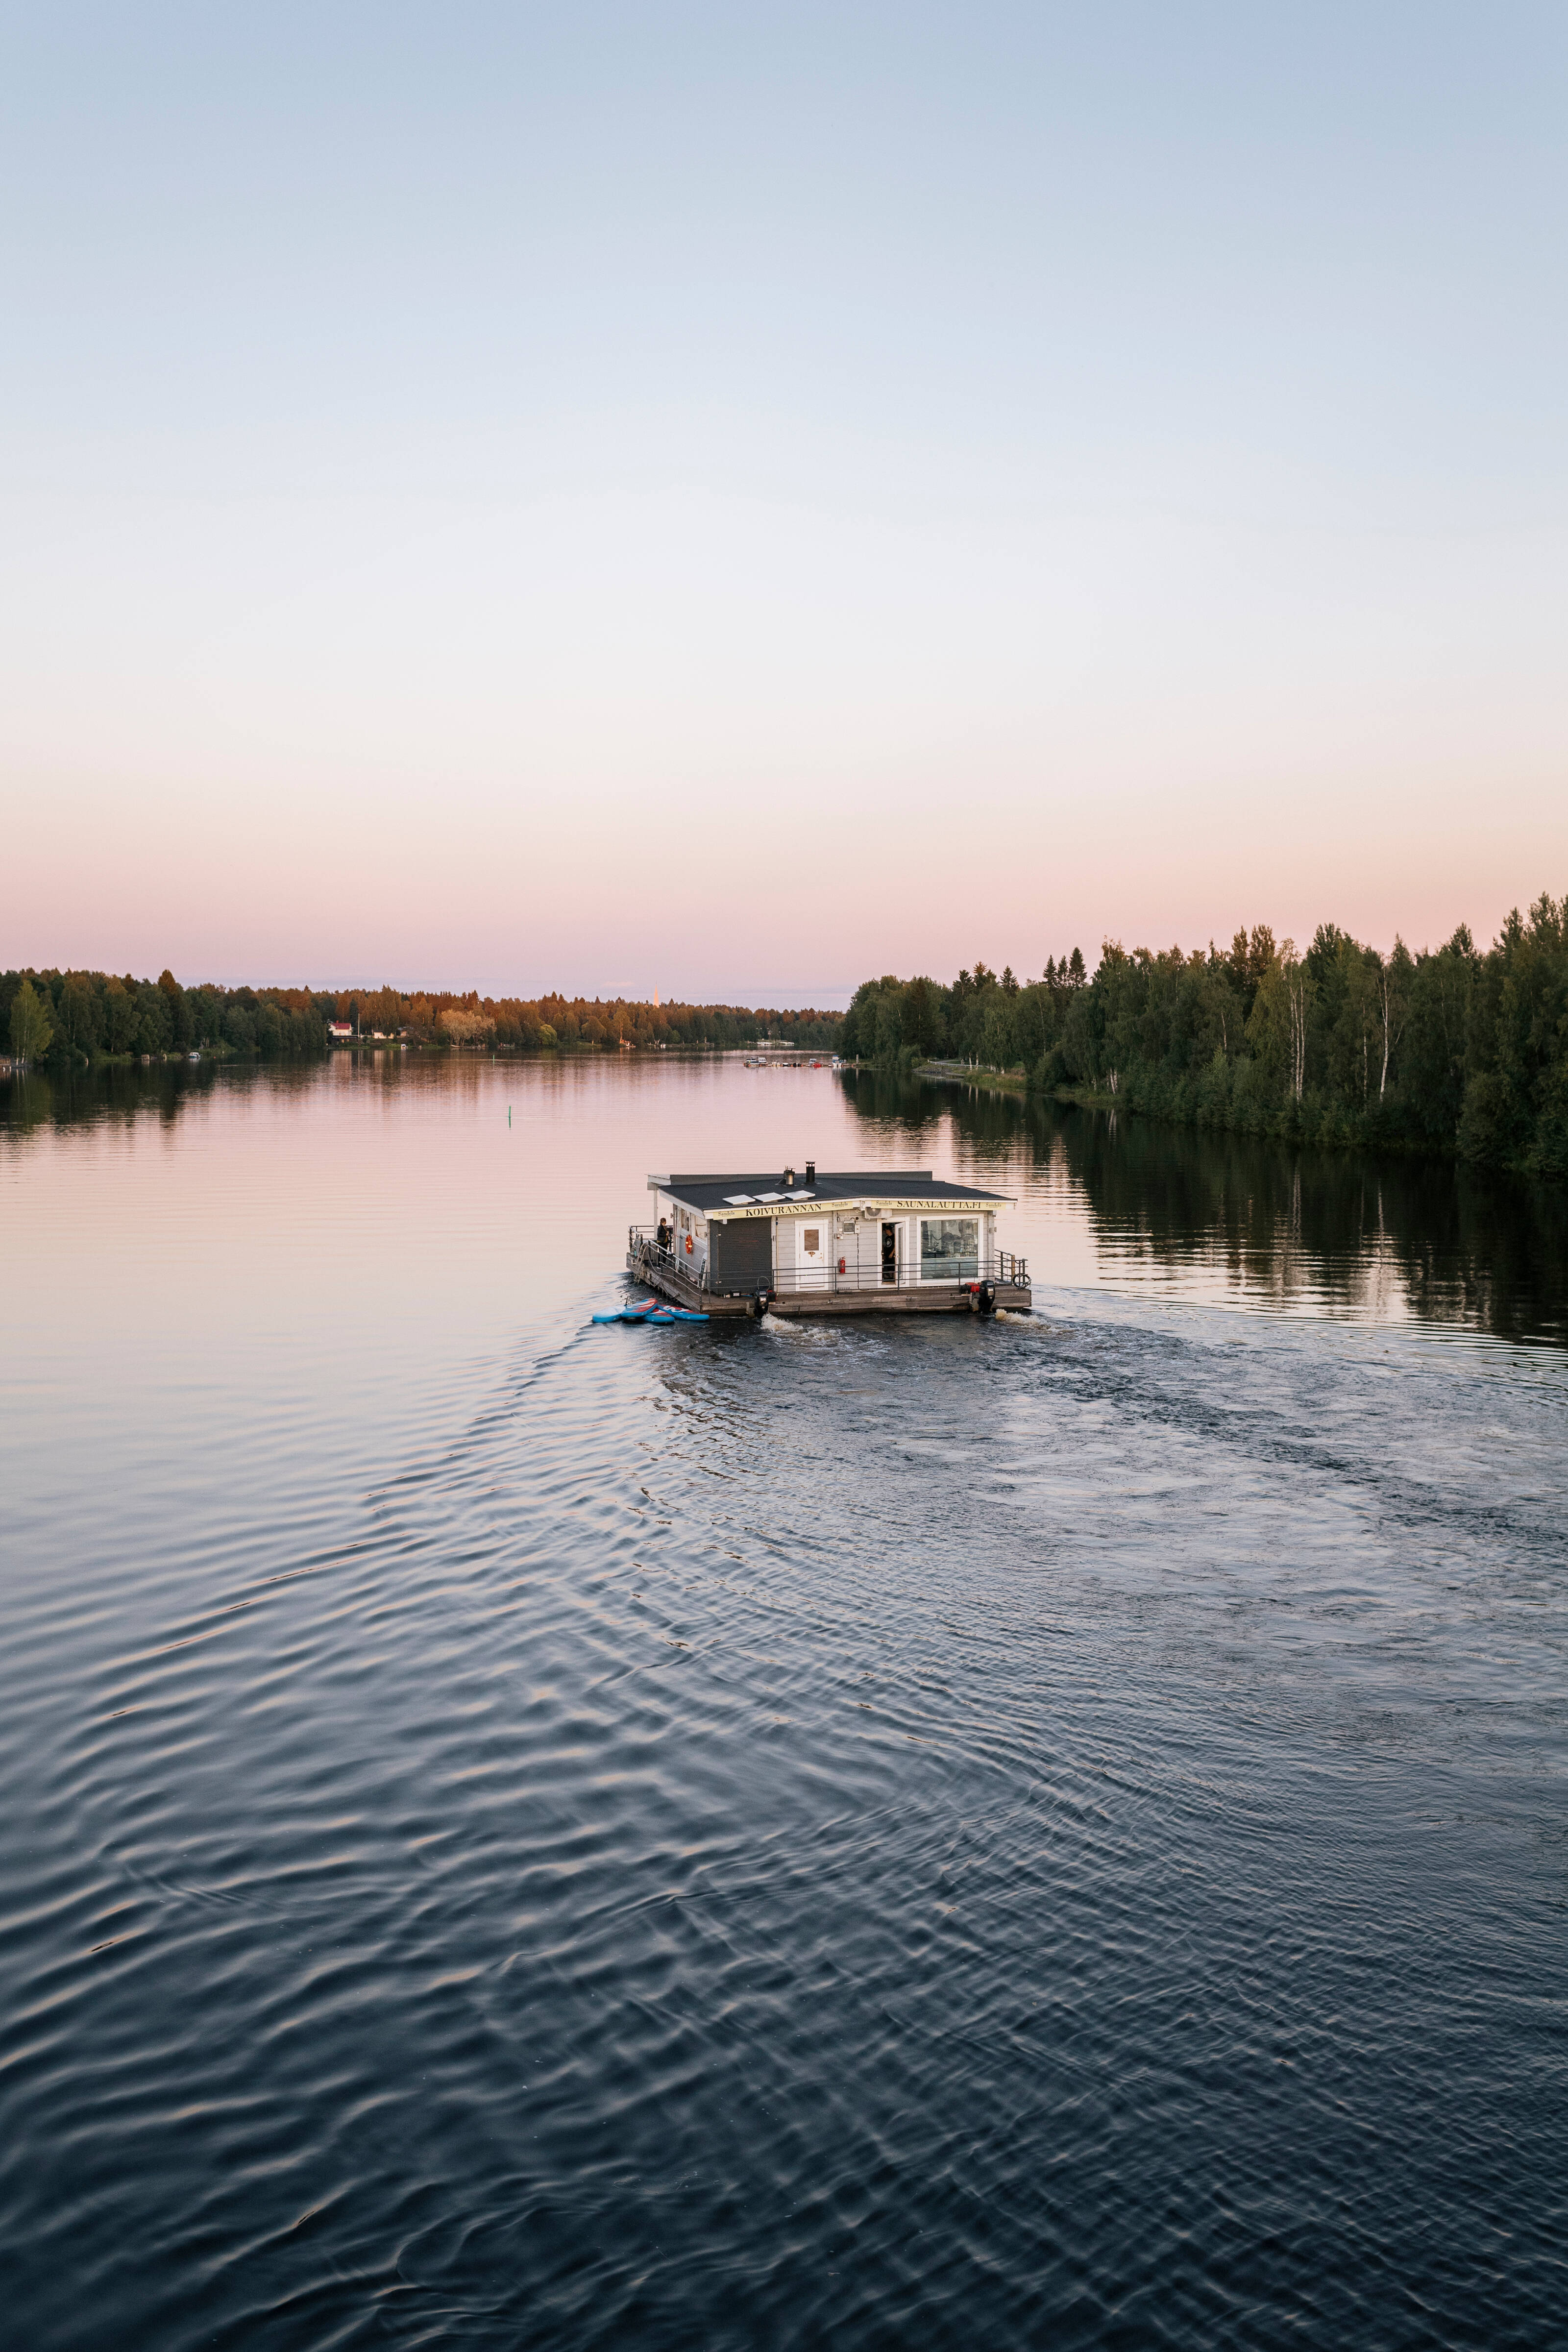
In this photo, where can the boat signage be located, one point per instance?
(928, 1207)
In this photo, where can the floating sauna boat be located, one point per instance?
(865, 1242)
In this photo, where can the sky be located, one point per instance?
(736, 501)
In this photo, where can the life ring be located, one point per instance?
(689, 1244)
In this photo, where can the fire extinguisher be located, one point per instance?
(841, 1266)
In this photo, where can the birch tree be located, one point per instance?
(1278, 1024)
(32, 1031)
(1296, 987)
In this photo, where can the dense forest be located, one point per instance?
(60, 1018)
(1456, 1049)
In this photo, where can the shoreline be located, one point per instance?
(1016, 1084)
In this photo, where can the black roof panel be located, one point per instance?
(705, 1193)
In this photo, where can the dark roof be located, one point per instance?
(705, 1193)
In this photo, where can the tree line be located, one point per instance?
(1456, 1049)
(59, 1019)
(556, 1023)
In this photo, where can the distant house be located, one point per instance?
(339, 1029)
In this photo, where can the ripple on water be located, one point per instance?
(1046, 1833)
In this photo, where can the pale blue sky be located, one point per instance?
(1121, 452)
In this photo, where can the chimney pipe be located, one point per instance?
(811, 1171)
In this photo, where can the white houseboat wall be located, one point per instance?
(866, 1241)
(690, 1239)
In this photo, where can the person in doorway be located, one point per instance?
(664, 1233)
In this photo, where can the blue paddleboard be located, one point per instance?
(651, 1310)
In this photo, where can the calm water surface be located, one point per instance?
(518, 1833)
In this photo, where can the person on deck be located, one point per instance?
(664, 1233)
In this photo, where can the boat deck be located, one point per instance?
(825, 1295)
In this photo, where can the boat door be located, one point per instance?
(890, 1253)
(814, 1256)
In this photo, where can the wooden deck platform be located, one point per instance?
(873, 1298)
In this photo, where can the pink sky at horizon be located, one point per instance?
(609, 898)
(741, 509)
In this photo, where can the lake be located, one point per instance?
(1043, 1831)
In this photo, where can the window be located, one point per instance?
(950, 1249)
(811, 1241)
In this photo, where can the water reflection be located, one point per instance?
(1226, 1217)
(1123, 1203)
(521, 1833)
(121, 1095)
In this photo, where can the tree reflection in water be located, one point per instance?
(1185, 1210)
(1343, 1232)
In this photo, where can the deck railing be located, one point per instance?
(646, 1256)
(643, 1249)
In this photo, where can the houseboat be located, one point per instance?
(888, 1240)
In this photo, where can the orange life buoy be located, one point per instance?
(689, 1244)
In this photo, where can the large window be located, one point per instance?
(950, 1249)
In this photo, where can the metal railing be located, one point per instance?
(646, 1256)
(642, 1250)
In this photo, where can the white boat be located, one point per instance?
(855, 1242)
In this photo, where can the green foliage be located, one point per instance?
(92, 1013)
(1451, 1050)
(77, 1012)
(1001, 1023)
(119, 1011)
(32, 1031)
(556, 1024)
(180, 1028)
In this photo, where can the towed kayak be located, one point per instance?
(651, 1310)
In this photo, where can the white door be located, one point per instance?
(816, 1240)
